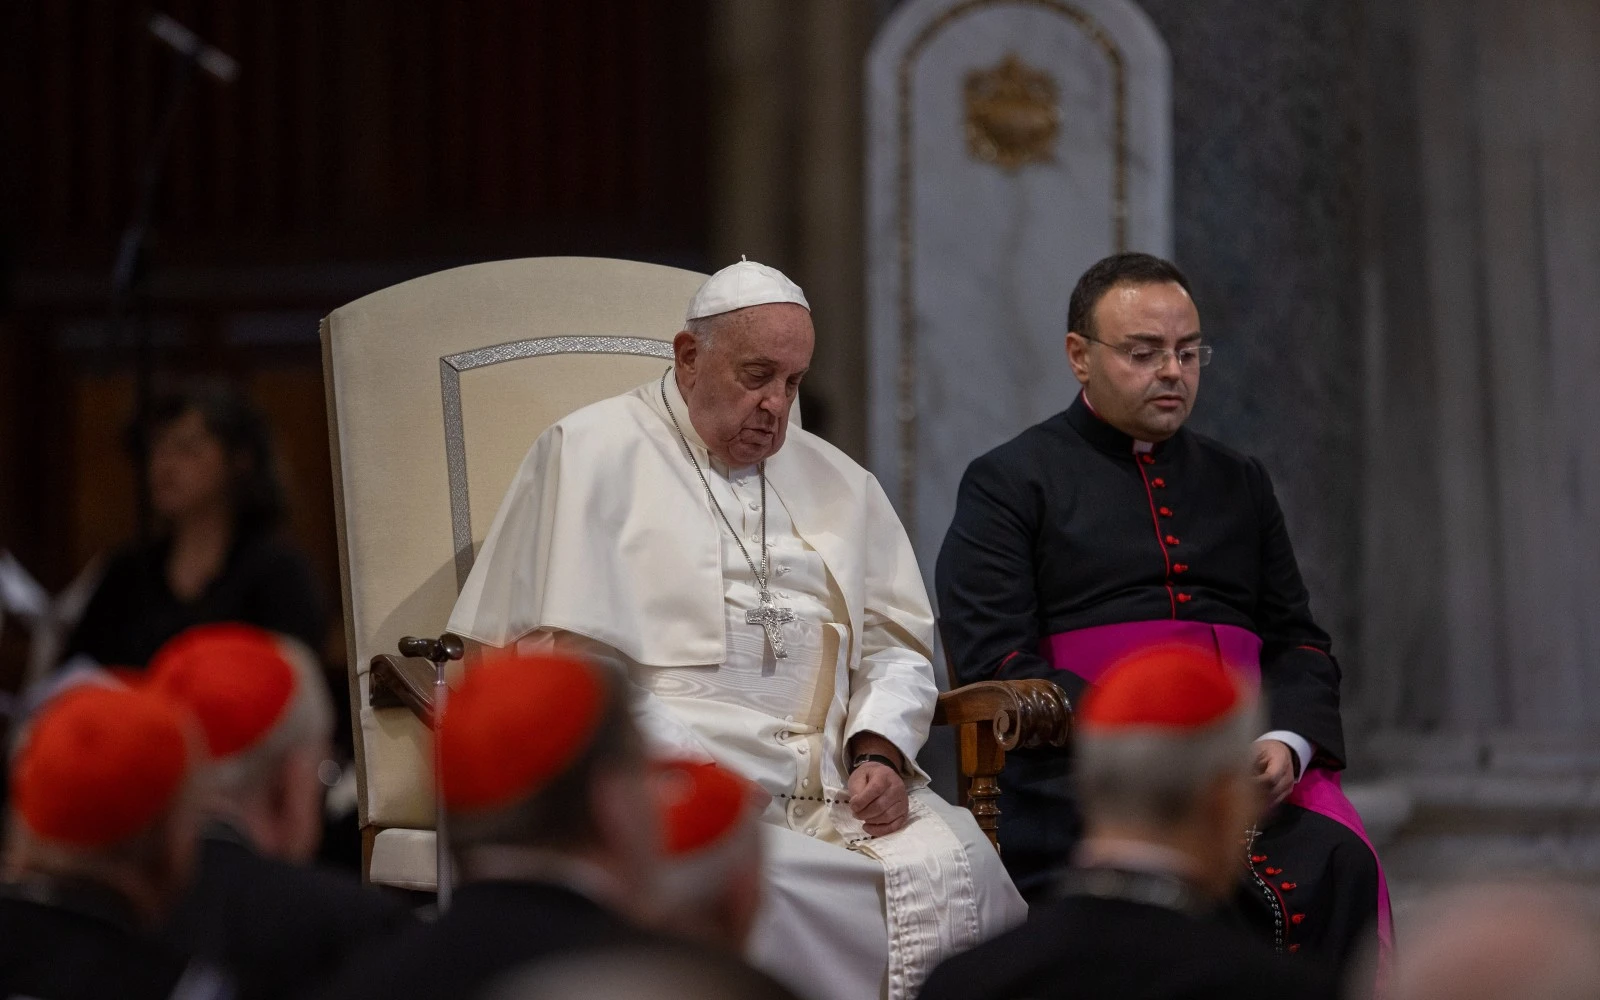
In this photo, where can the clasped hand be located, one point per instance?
(878, 798)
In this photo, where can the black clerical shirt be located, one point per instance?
(1067, 527)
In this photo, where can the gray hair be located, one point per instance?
(704, 329)
(1149, 777)
(307, 722)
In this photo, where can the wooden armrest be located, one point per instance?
(402, 682)
(1025, 713)
(990, 718)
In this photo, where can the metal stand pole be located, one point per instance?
(444, 877)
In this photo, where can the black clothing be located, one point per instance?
(278, 928)
(1065, 527)
(1320, 879)
(266, 582)
(492, 928)
(61, 941)
(1096, 948)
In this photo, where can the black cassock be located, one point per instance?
(72, 941)
(1096, 947)
(278, 928)
(1067, 541)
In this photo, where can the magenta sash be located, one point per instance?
(1090, 652)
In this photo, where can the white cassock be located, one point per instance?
(606, 544)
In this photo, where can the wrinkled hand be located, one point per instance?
(878, 798)
(1274, 770)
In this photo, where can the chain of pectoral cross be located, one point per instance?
(768, 615)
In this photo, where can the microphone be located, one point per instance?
(189, 45)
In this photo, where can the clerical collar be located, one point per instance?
(1144, 888)
(493, 863)
(75, 895)
(1082, 418)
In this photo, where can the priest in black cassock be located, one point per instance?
(1164, 766)
(1111, 527)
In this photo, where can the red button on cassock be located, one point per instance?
(1172, 540)
(1166, 512)
(1184, 598)
(1180, 567)
(1159, 483)
(1147, 458)
(1298, 918)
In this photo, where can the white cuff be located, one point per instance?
(1294, 741)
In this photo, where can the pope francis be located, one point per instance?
(762, 596)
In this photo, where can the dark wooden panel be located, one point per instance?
(361, 128)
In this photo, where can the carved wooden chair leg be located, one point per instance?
(981, 758)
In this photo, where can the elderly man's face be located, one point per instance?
(1145, 401)
(739, 386)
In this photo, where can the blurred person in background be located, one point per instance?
(258, 907)
(101, 848)
(634, 972)
(216, 553)
(553, 821)
(709, 885)
(1164, 768)
(1500, 942)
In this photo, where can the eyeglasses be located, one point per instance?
(1155, 358)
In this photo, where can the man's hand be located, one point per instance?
(877, 792)
(1274, 770)
(878, 798)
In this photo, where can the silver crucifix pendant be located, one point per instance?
(771, 618)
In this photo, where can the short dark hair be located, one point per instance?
(241, 429)
(1108, 273)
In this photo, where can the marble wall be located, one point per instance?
(1011, 143)
(1267, 223)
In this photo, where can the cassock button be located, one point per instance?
(1184, 598)
(803, 749)
(805, 782)
(1166, 512)
(1180, 567)
(811, 831)
(1172, 539)
(1159, 483)
(1147, 458)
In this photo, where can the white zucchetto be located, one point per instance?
(741, 285)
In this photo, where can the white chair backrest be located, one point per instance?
(436, 389)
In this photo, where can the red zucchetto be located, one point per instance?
(701, 804)
(234, 679)
(1168, 687)
(516, 723)
(99, 766)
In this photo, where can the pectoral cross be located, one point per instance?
(771, 618)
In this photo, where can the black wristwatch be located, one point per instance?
(874, 758)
